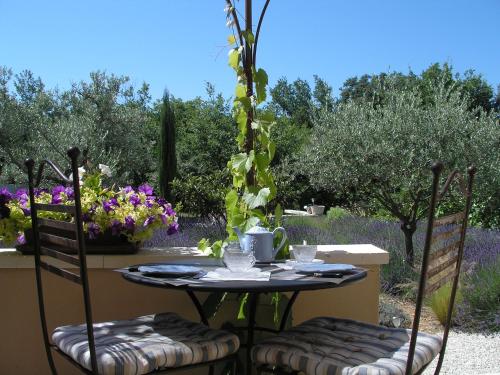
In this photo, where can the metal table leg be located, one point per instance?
(288, 309)
(252, 307)
(198, 306)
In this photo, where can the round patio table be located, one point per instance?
(253, 288)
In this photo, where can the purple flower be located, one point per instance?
(110, 205)
(5, 196)
(69, 193)
(128, 189)
(173, 228)
(129, 223)
(93, 230)
(21, 240)
(146, 189)
(86, 218)
(169, 210)
(116, 227)
(26, 211)
(164, 218)
(56, 199)
(58, 190)
(56, 194)
(149, 221)
(149, 202)
(22, 196)
(161, 201)
(135, 200)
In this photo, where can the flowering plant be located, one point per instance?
(134, 213)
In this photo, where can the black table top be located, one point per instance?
(275, 284)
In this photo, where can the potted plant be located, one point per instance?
(114, 220)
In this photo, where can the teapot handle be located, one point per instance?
(283, 240)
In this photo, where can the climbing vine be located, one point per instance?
(253, 188)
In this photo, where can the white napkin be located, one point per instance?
(253, 274)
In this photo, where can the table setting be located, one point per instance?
(244, 264)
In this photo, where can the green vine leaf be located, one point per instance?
(234, 59)
(261, 80)
(241, 92)
(249, 37)
(259, 200)
(262, 161)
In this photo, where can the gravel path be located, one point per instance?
(470, 354)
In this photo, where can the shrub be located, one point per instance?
(482, 294)
(203, 196)
(336, 213)
(440, 299)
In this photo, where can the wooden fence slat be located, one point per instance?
(436, 254)
(450, 219)
(431, 288)
(446, 234)
(441, 267)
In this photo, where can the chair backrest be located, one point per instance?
(51, 237)
(443, 252)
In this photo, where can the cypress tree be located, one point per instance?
(168, 161)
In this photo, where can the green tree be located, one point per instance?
(106, 117)
(205, 134)
(385, 151)
(293, 100)
(372, 88)
(168, 161)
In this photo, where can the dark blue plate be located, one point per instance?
(324, 269)
(169, 270)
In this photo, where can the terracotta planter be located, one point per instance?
(105, 243)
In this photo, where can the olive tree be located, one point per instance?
(386, 152)
(107, 118)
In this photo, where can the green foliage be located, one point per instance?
(482, 293)
(253, 182)
(202, 196)
(385, 152)
(373, 89)
(168, 161)
(335, 213)
(106, 118)
(440, 300)
(205, 133)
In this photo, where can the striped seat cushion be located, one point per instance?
(146, 343)
(330, 346)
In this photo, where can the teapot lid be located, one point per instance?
(258, 228)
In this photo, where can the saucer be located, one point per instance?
(293, 263)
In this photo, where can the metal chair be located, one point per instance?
(149, 344)
(342, 346)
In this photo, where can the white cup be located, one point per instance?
(304, 253)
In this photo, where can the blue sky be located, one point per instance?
(181, 44)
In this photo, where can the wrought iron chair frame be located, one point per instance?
(436, 197)
(79, 260)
